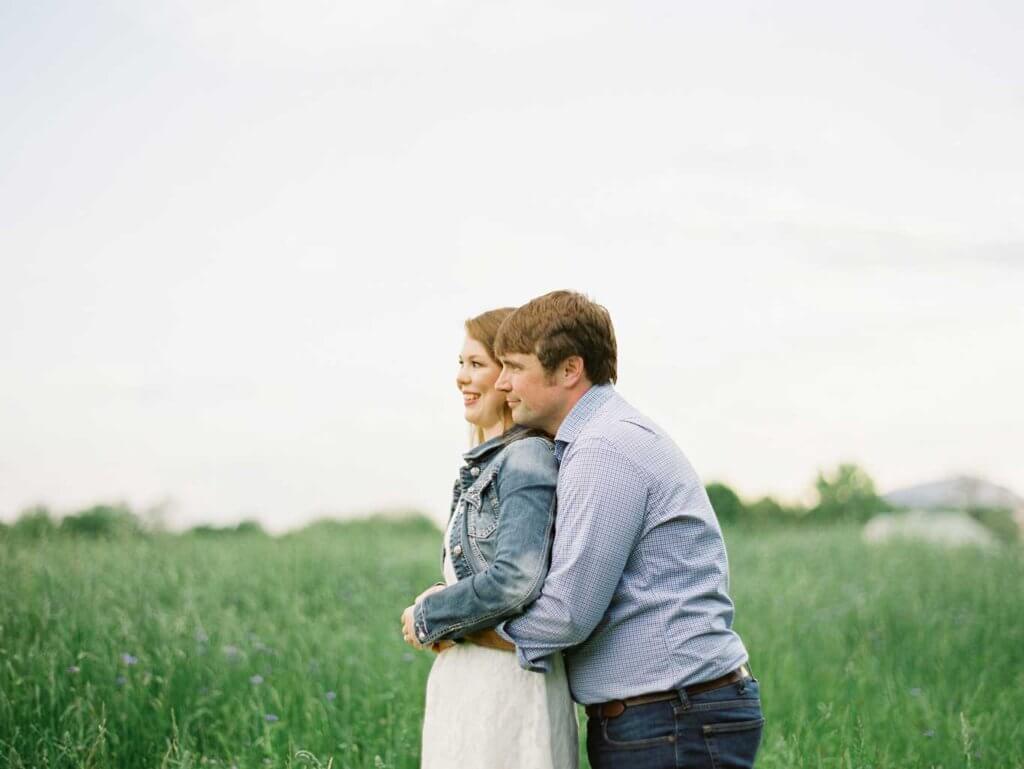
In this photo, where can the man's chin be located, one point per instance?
(521, 417)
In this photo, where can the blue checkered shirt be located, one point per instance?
(637, 595)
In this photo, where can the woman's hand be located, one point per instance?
(409, 620)
(409, 627)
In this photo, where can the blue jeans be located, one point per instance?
(716, 729)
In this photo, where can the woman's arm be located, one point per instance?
(526, 491)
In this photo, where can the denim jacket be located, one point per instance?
(504, 503)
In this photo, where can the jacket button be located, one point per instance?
(474, 471)
(457, 551)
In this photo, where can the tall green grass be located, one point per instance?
(255, 652)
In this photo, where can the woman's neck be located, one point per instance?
(493, 431)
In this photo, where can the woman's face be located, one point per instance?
(477, 374)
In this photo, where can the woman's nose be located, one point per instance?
(461, 377)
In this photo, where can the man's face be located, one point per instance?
(534, 396)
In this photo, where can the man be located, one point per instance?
(636, 596)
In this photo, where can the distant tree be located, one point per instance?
(34, 523)
(205, 530)
(726, 503)
(102, 522)
(847, 494)
(243, 528)
(767, 511)
(250, 527)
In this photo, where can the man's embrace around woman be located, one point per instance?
(581, 539)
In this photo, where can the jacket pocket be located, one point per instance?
(482, 509)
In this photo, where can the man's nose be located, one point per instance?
(502, 382)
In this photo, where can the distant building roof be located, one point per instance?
(959, 493)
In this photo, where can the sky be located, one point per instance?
(238, 240)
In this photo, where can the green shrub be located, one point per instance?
(997, 520)
(726, 503)
(34, 523)
(102, 522)
(251, 528)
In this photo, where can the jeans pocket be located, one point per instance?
(733, 744)
(640, 727)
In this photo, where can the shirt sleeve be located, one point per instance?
(602, 498)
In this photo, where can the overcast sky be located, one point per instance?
(238, 240)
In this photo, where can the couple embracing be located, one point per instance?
(582, 561)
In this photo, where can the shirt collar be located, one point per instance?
(494, 443)
(579, 415)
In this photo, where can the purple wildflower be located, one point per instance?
(128, 659)
(74, 669)
(120, 680)
(331, 696)
(270, 717)
(256, 680)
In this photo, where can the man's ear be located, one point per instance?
(573, 370)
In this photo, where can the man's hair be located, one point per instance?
(559, 325)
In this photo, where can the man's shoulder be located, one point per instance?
(620, 426)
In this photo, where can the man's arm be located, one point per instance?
(602, 497)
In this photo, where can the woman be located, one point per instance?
(482, 709)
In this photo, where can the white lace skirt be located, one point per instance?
(485, 712)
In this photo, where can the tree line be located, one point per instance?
(845, 494)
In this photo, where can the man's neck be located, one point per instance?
(575, 396)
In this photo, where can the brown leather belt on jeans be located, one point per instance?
(615, 708)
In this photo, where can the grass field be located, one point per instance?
(255, 652)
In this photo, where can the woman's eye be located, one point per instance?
(476, 364)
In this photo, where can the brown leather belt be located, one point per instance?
(615, 708)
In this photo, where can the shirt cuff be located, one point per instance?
(542, 665)
(500, 630)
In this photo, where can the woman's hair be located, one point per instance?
(484, 328)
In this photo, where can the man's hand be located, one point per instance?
(491, 640)
(440, 646)
(409, 628)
